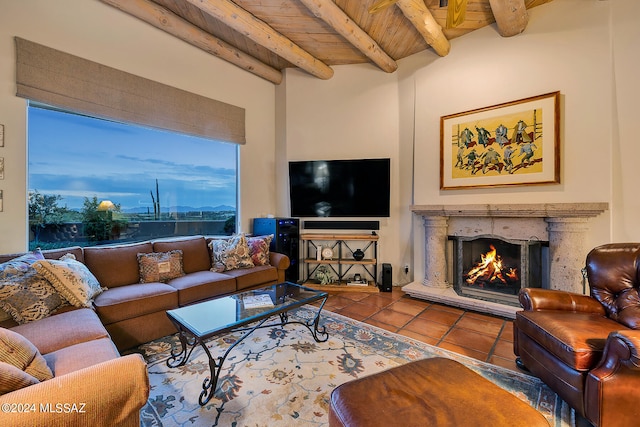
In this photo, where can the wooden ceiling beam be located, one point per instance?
(511, 16)
(335, 17)
(422, 19)
(260, 32)
(173, 24)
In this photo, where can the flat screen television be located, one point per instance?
(340, 188)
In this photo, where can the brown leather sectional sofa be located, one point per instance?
(133, 312)
(587, 347)
(82, 346)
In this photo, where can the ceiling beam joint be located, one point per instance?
(337, 19)
(422, 19)
(232, 15)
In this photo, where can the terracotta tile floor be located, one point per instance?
(481, 336)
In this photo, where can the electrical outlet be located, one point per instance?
(406, 269)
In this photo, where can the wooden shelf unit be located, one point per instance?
(342, 263)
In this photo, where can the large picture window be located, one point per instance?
(94, 181)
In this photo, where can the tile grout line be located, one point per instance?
(450, 329)
(495, 343)
(470, 330)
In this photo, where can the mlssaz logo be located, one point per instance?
(63, 408)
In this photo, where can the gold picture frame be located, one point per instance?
(515, 143)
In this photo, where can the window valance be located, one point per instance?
(56, 78)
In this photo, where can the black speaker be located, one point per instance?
(341, 225)
(386, 284)
(286, 233)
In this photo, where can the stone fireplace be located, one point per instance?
(561, 226)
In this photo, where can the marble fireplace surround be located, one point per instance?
(563, 225)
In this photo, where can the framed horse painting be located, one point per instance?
(515, 143)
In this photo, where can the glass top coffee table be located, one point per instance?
(242, 312)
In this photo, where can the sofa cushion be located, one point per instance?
(195, 253)
(126, 302)
(102, 261)
(72, 279)
(160, 266)
(229, 254)
(18, 351)
(14, 378)
(202, 285)
(29, 297)
(259, 249)
(251, 277)
(79, 325)
(81, 355)
(576, 338)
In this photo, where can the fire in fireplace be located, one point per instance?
(494, 269)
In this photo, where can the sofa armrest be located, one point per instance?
(107, 394)
(281, 262)
(622, 348)
(611, 387)
(533, 299)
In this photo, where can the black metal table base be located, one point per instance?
(188, 343)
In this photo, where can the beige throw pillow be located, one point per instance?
(160, 266)
(12, 378)
(72, 279)
(19, 352)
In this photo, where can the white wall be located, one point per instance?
(101, 33)
(566, 47)
(559, 44)
(625, 27)
(353, 115)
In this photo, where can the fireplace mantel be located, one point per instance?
(564, 225)
(527, 210)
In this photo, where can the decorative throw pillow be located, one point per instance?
(18, 266)
(72, 279)
(259, 249)
(18, 351)
(230, 254)
(29, 297)
(67, 256)
(14, 378)
(160, 266)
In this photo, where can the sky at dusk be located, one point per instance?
(77, 157)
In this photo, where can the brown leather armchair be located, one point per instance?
(586, 347)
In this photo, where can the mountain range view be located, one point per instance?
(180, 209)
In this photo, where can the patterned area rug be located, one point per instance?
(282, 377)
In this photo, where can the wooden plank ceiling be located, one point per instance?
(266, 36)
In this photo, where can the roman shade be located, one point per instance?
(56, 78)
